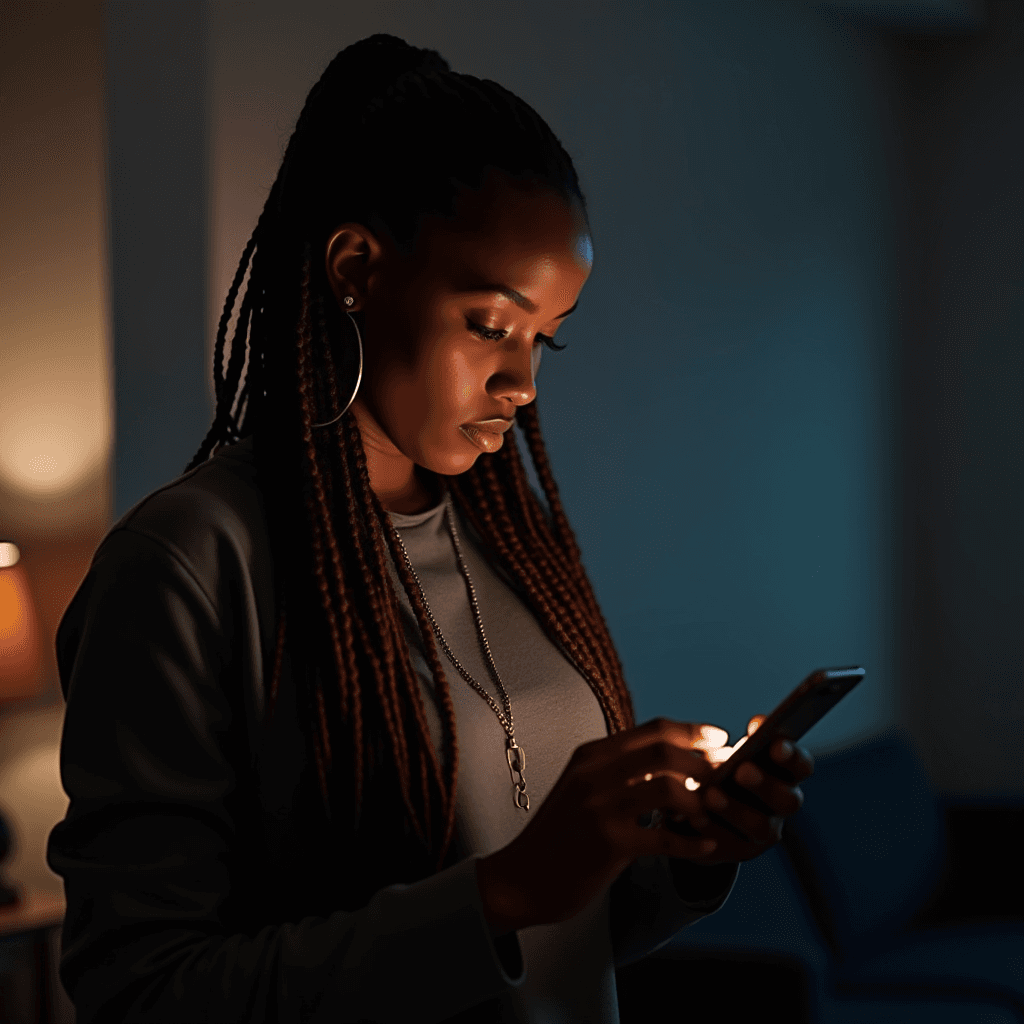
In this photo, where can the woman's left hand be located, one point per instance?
(779, 792)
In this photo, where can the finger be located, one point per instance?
(700, 769)
(687, 733)
(657, 745)
(729, 836)
(666, 793)
(798, 761)
(716, 757)
(743, 840)
(719, 754)
(650, 751)
(783, 798)
(689, 736)
(801, 764)
(690, 776)
(759, 828)
(709, 737)
(754, 724)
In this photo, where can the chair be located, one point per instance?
(789, 906)
(869, 847)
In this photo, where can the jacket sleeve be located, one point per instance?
(150, 761)
(656, 897)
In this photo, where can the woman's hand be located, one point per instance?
(586, 833)
(780, 792)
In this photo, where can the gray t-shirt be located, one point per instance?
(568, 966)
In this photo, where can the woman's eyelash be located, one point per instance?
(490, 334)
(487, 333)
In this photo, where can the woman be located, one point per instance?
(285, 806)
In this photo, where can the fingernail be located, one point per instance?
(786, 747)
(708, 846)
(751, 774)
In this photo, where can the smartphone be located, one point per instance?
(805, 706)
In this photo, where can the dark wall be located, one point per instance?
(721, 422)
(157, 146)
(784, 425)
(963, 383)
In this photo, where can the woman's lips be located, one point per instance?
(487, 435)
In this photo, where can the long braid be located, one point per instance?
(530, 421)
(410, 696)
(543, 572)
(318, 517)
(357, 479)
(496, 527)
(442, 690)
(537, 562)
(349, 691)
(339, 622)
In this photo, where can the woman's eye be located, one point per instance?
(486, 332)
(491, 334)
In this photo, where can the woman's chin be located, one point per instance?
(453, 463)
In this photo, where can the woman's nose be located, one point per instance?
(514, 380)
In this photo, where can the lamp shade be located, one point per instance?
(20, 641)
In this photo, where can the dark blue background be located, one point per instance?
(785, 425)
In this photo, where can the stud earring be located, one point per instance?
(349, 300)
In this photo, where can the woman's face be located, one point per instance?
(454, 332)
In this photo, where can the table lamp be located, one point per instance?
(20, 659)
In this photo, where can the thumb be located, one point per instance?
(709, 737)
(755, 723)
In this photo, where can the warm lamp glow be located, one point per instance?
(20, 648)
(52, 439)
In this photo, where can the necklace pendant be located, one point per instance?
(515, 753)
(517, 762)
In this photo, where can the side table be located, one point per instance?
(30, 989)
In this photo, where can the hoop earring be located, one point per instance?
(359, 375)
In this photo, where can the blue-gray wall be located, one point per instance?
(964, 410)
(721, 422)
(726, 423)
(157, 180)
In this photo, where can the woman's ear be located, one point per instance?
(351, 250)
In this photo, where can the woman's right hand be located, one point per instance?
(586, 833)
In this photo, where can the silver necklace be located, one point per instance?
(514, 753)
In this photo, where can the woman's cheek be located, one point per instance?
(455, 388)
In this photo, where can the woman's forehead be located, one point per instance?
(490, 238)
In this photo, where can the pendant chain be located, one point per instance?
(514, 753)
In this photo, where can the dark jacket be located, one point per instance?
(201, 881)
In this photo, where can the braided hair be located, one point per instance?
(379, 103)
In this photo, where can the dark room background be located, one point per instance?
(787, 423)
(788, 426)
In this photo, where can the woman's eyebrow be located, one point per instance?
(518, 298)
